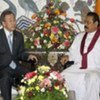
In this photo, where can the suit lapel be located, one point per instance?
(14, 41)
(5, 41)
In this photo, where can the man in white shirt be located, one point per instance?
(84, 75)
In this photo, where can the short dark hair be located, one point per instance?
(4, 13)
(95, 17)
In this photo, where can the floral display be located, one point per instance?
(43, 84)
(51, 30)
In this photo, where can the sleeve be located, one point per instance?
(22, 54)
(74, 48)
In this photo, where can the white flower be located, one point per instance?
(31, 39)
(42, 35)
(62, 17)
(43, 90)
(32, 47)
(37, 28)
(61, 47)
(45, 41)
(50, 77)
(39, 46)
(53, 76)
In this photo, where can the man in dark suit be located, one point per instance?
(11, 52)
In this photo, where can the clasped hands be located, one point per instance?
(64, 59)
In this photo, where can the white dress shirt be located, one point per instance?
(12, 64)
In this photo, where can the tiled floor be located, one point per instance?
(1, 98)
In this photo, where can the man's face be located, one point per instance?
(90, 26)
(10, 22)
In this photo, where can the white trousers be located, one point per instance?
(86, 84)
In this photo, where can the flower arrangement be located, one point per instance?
(43, 84)
(51, 30)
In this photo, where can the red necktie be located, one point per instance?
(85, 55)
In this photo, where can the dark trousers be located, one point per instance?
(7, 76)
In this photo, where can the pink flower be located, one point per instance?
(45, 83)
(55, 29)
(66, 43)
(30, 75)
(58, 75)
(36, 42)
(72, 20)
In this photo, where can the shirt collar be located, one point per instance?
(7, 32)
(91, 34)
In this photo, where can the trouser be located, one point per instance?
(86, 85)
(6, 80)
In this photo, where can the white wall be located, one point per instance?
(4, 4)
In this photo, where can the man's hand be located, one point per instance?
(33, 58)
(64, 59)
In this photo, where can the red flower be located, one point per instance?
(47, 73)
(56, 84)
(72, 20)
(30, 75)
(67, 43)
(38, 19)
(30, 94)
(48, 11)
(45, 32)
(50, 89)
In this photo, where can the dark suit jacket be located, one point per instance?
(18, 49)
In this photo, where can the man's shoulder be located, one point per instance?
(80, 35)
(1, 31)
(17, 32)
